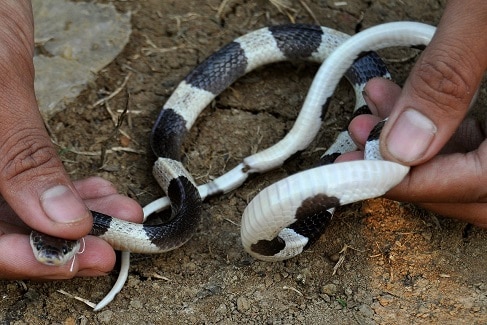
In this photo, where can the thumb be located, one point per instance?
(437, 94)
(32, 178)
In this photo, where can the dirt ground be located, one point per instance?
(402, 265)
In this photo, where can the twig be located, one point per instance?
(310, 12)
(161, 277)
(97, 153)
(342, 253)
(222, 6)
(114, 93)
(148, 51)
(110, 112)
(232, 222)
(293, 289)
(284, 8)
(89, 303)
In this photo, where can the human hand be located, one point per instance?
(17, 260)
(429, 110)
(33, 182)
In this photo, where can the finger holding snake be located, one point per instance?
(440, 88)
(437, 95)
(452, 182)
(98, 257)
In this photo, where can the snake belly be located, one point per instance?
(264, 46)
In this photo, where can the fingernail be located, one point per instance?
(410, 136)
(370, 104)
(61, 205)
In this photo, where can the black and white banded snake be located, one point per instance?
(273, 222)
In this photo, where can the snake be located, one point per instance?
(286, 217)
(282, 220)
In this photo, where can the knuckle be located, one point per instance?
(99, 187)
(444, 81)
(104, 187)
(24, 153)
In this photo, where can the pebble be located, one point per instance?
(329, 289)
(69, 321)
(427, 235)
(190, 267)
(242, 304)
(366, 311)
(334, 257)
(325, 297)
(277, 277)
(268, 282)
(31, 294)
(136, 304)
(222, 309)
(385, 300)
(105, 316)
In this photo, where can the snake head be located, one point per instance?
(52, 250)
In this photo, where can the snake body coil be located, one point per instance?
(270, 210)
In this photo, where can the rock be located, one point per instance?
(105, 316)
(366, 311)
(242, 304)
(330, 289)
(136, 304)
(76, 40)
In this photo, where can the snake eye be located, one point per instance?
(39, 247)
(65, 250)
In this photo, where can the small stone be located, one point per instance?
(329, 289)
(277, 277)
(82, 320)
(385, 300)
(222, 309)
(190, 267)
(334, 257)
(136, 304)
(366, 311)
(427, 235)
(124, 141)
(31, 294)
(325, 297)
(242, 304)
(70, 321)
(268, 282)
(105, 316)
